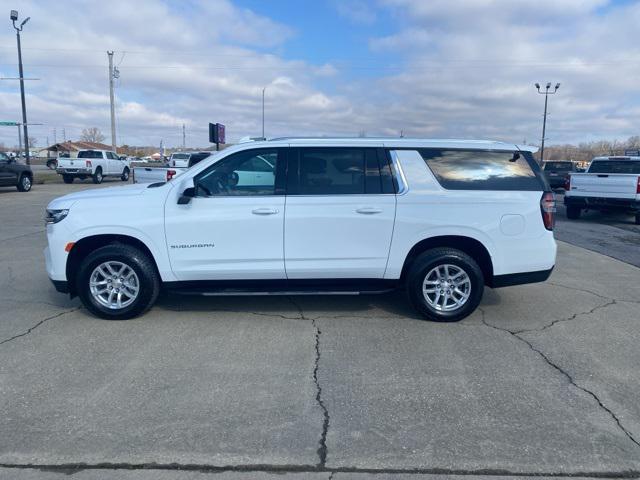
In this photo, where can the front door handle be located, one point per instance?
(264, 211)
(369, 210)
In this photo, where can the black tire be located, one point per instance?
(638, 218)
(97, 177)
(431, 259)
(573, 213)
(125, 175)
(24, 183)
(67, 178)
(134, 258)
(52, 164)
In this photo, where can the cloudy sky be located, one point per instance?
(437, 68)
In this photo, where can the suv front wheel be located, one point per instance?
(117, 282)
(445, 284)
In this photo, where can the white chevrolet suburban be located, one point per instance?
(96, 164)
(439, 218)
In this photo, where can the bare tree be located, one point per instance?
(33, 141)
(92, 134)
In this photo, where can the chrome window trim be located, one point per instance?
(403, 186)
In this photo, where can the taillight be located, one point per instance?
(88, 163)
(170, 174)
(548, 209)
(567, 183)
(638, 187)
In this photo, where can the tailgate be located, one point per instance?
(72, 162)
(610, 185)
(153, 174)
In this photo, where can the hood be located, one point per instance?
(110, 192)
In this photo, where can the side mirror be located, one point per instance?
(186, 196)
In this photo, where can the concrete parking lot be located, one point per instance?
(542, 380)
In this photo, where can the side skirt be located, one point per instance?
(282, 287)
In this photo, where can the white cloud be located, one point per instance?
(358, 11)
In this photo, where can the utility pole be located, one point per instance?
(183, 137)
(14, 18)
(263, 112)
(55, 137)
(546, 94)
(64, 135)
(19, 138)
(113, 108)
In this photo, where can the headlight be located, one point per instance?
(55, 216)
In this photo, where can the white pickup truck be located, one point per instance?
(96, 164)
(610, 183)
(178, 163)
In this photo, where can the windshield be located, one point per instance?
(180, 156)
(615, 166)
(90, 154)
(564, 166)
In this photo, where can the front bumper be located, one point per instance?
(602, 202)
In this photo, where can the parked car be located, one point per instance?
(558, 171)
(96, 164)
(439, 218)
(610, 183)
(15, 174)
(178, 163)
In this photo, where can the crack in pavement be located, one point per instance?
(31, 329)
(21, 236)
(572, 317)
(261, 314)
(322, 449)
(71, 468)
(584, 290)
(564, 373)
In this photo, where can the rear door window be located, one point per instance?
(331, 171)
(335, 171)
(615, 166)
(484, 169)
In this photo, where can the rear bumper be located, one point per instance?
(511, 279)
(603, 202)
(556, 182)
(73, 171)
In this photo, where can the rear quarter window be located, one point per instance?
(484, 169)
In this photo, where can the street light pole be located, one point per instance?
(546, 94)
(14, 17)
(264, 88)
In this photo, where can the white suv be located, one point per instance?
(439, 218)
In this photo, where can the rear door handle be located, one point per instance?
(264, 211)
(369, 210)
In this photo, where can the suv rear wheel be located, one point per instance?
(117, 282)
(97, 177)
(125, 174)
(445, 284)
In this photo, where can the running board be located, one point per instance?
(234, 288)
